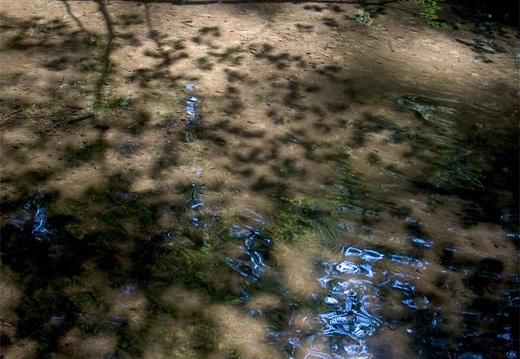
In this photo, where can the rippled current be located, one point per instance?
(344, 270)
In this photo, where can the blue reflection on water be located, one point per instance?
(192, 108)
(356, 286)
(34, 214)
(255, 246)
(195, 202)
(422, 242)
(354, 301)
(371, 255)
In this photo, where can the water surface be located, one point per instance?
(258, 201)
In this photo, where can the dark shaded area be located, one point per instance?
(506, 12)
(476, 168)
(486, 325)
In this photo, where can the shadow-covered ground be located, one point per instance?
(256, 180)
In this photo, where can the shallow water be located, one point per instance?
(303, 219)
(380, 274)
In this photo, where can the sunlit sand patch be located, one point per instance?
(75, 344)
(77, 180)
(186, 302)
(10, 296)
(237, 332)
(263, 302)
(95, 347)
(298, 261)
(170, 338)
(129, 305)
(26, 349)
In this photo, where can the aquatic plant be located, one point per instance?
(293, 226)
(363, 18)
(430, 10)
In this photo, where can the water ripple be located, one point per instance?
(34, 215)
(256, 246)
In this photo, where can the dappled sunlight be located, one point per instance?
(256, 180)
(296, 263)
(239, 334)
